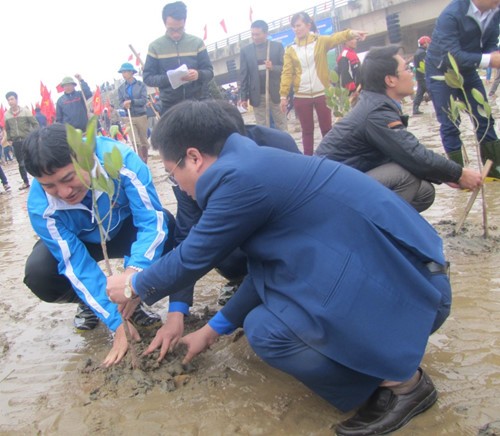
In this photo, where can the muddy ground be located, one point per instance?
(51, 382)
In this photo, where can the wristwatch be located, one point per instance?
(127, 291)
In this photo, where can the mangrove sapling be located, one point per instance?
(85, 162)
(454, 80)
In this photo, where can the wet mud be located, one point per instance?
(51, 381)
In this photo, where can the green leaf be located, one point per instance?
(101, 183)
(79, 172)
(108, 166)
(453, 64)
(481, 111)
(487, 109)
(334, 77)
(477, 96)
(453, 80)
(440, 78)
(111, 187)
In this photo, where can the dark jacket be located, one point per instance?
(250, 76)
(165, 54)
(334, 255)
(418, 58)
(373, 133)
(72, 108)
(348, 64)
(461, 35)
(137, 93)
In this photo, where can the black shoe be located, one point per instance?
(227, 291)
(85, 319)
(143, 317)
(385, 411)
(417, 112)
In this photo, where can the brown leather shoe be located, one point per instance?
(385, 412)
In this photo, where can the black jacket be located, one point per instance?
(72, 108)
(250, 87)
(373, 133)
(419, 57)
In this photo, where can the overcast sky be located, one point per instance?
(47, 40)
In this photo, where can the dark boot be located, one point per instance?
(456, 156)
(491, 150)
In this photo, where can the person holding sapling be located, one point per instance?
(62, 267)
(468, 30)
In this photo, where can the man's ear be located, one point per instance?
(194, 155)
(390, 81)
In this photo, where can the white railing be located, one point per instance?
(319, 9)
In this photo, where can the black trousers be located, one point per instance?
(41, 274)
(419, 96)
(18, 152)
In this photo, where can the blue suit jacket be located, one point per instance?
(336, 256)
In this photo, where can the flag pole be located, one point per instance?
(137, 56)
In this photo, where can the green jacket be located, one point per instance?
(18, 127)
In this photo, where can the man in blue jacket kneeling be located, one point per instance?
(63, 265)
(345, 280)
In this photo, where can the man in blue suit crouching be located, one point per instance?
(345, 280)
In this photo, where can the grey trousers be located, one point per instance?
(279, 117)
(419, 193)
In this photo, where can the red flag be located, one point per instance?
(33, 109)
(97, 102)
(250, 14)
(47, 105)
(205, 33)
(138, 60)
(2, 116)
(223, 25)
(130, 57)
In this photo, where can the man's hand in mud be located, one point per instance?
(198, 341)
(168, 335)
(120, 345)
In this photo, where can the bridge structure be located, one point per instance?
(416, 18)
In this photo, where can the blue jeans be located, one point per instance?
(341, 386)
(440, 95)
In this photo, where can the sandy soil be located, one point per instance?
(51, 382)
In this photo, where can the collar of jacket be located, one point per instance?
(311, 37)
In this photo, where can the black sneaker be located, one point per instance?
(227, 291)
(143, 317)
(85, 319)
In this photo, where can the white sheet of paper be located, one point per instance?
(175, 76)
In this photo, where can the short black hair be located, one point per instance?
(46, 150)
(10, 94)
(260, 24)
(176, 10)
(378, 63)
(234, 113)
(204, 125)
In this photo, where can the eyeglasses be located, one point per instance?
(170, 174)
(408, 68)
